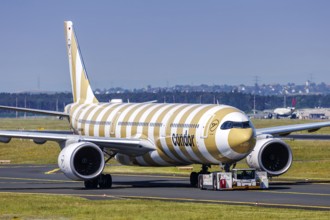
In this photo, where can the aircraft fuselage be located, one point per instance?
(180, 133)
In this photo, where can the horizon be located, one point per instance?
(36, 91)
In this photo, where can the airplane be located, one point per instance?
(284, 112)
(288, 112)
(154, 134)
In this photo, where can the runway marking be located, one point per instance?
(14, 182)
(11, 166)
(52, 171)
(31, 179)
(230, 202)
(325, 208)
(322, 183)
(297, 193)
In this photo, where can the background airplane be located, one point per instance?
(286, 112)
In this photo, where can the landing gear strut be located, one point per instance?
(194, 175)
(103, 181)
(227, 167)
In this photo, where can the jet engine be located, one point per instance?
(271, 155)
(81, 161)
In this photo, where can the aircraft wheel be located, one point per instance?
(105, 181)
(108, 180)
(102, 181)
(193, 179)
(91, 184)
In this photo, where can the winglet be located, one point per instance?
(81, 89)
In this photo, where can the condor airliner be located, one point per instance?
(154, 134)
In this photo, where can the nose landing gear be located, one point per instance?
(194, 175)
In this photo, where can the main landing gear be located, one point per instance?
(103, 181)
(194, 175)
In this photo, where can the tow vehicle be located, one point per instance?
(236, 179)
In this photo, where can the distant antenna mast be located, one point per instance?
(256, 83)
(256, 88)
(16, 107)
(254, 104)
(57, 104)
(25, 106)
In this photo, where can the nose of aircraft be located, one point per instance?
(241, 140)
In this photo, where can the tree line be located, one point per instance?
(244, 102)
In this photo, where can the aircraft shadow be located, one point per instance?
(150, 184)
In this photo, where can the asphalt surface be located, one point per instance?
(45, 179)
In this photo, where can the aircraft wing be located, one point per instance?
(287, 129)
(128, 146)
(36, 111)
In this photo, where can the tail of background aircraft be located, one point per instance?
(81, 89)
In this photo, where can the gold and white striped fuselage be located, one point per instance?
(180, 133)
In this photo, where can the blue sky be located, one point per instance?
(133, 44)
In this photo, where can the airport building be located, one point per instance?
(314, 113)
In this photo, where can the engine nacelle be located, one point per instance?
(271, 155)
(81, 161)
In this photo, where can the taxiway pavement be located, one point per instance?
(40, 179)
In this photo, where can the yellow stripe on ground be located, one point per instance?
(31, 179)
(322, 183)
(229, 202)
(297, 193)
(52, 171)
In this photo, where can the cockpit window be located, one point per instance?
(233, 124)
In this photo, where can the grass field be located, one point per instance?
(48, 123)
(22, 206)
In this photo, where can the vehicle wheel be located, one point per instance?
(200, 182)
(193, 179)
(215, 182)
